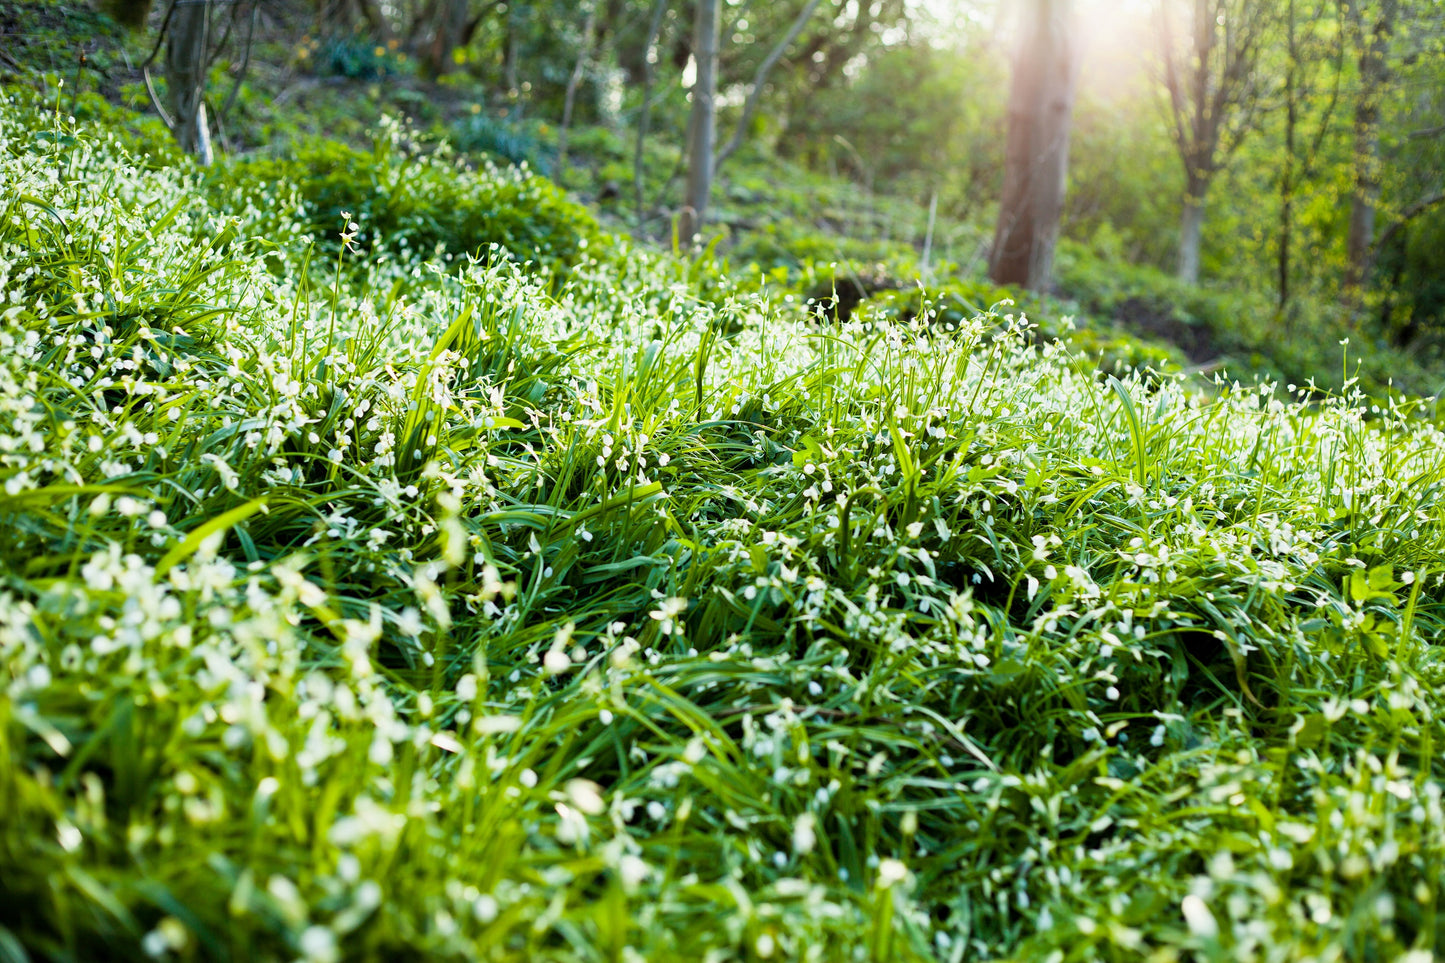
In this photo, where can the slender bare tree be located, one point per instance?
(702, 128)
(1314, 45)
(644, 112)
(579, 69)
(1371, 30)
(1040, 113)
(1214, 90)
(755, 92)
(187, 35)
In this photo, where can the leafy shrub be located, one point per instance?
(400, 199)
(358, 58)
(953, 304)
(1242, 330)
(483, 134)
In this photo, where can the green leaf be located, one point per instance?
(218, 524)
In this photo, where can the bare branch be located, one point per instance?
(1406, 216)
(750, 106)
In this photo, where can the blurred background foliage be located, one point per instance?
(877, 149)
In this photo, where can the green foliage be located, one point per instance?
(952, 306)
(1237, 331)
(1125, 185)
(481, 133)
(446, 614)
(808, 253)
(402, 200)
(357, 57)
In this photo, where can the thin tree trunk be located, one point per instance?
(704, 121)
(449, 30)
(375, 20)
(644, 112)
(1286, 187)
(1191, 229)
(755, 93)
(186, 77)
(1405, 217)
(509, 70)
(573, 82)
(1365, 196)
(128, 13)
(1041, 103)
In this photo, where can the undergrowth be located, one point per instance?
(362, 604)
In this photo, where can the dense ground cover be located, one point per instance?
(365, 600)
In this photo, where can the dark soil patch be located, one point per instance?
(1160, 322)
(837, 299)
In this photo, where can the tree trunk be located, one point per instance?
(128, 13)
(1286, 184)
(376, 20)
(1041, 104)
(644, 112)
(1191, 228)
(1365, 196)
(703, 128)
(509, 70)
(448, 30)
(573, 82)
(186, 77)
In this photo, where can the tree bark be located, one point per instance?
(128, 13)
(509, 69)
(703, 126)
(376, 20)
(644, 112)
(449, 23)
(1214, 91)
(186, 60)
(1191, 230)
(1286, 183)
(573, 82)
(1365, 195)
(1040, 112)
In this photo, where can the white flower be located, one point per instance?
(632, 870)
(667, 613)
(805, 835)
(318, 945)
(1199, 919)
(890, 873)
(586, 795)
(556, 662)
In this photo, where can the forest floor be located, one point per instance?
(396, 564)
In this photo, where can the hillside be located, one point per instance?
(398, 565)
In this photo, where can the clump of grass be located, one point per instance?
(405, 611)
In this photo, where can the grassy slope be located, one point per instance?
(798, 230)
(371, 611)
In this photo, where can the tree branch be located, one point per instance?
(1407, 215)
(750, 106)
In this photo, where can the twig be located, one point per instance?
(245, 65)
(750, 105)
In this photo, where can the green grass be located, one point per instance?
(388, 606)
